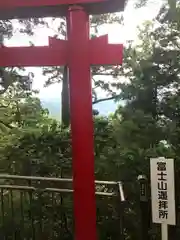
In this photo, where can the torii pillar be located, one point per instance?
(84, 52)
(79, 52)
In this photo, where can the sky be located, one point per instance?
(132, 18)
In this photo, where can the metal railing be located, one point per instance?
(41, 207)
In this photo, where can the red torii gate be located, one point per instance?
(79, 52)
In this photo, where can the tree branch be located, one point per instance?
(103, 74)
(105, 99)
(6, 125)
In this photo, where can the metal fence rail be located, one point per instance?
(42, 208)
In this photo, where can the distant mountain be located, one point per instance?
(106, 107)
(54, 107)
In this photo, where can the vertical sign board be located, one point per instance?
(163, 193)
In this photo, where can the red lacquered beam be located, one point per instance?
(103, 53)
(11, 9)
(42, 3)
(34, 56)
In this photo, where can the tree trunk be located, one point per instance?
(65, 113)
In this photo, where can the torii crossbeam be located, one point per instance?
(57, 54)
(79, 52)
(55, 8)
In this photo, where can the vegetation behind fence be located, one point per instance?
(33, 208)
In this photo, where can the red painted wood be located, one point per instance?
(102, 53)
(81, 125)
(52, 55)
(40, 3)
(10, 9)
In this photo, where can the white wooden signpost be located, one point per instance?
(163, 193)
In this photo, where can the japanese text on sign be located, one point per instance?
(162, 191)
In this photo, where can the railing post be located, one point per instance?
(144, 207)
(121, 202)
